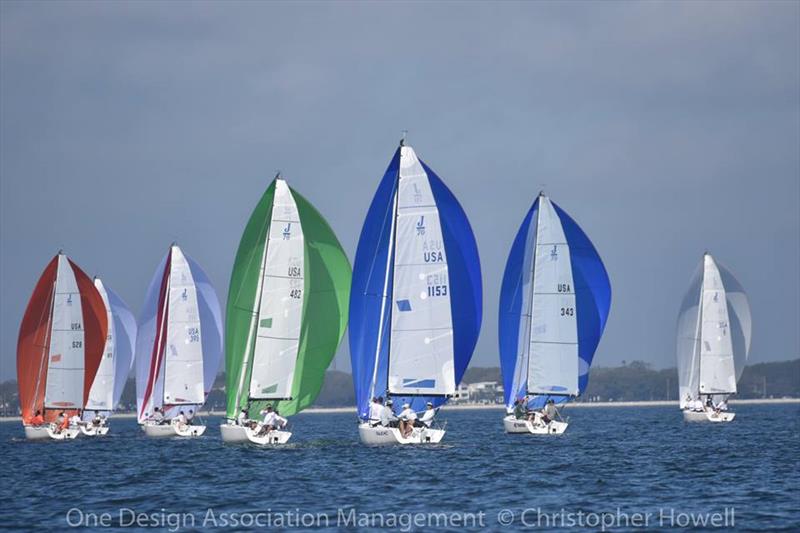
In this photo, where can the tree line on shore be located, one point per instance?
(634, 381)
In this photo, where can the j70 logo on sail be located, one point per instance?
(287, 232)
(421, 226)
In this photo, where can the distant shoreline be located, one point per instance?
(495, 406)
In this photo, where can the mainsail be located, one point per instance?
(416, 299)
(713, 333)
(554, 304)
(287, 305)
(117, 355)
(61, 341)
(179, 340)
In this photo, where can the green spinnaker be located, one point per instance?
(325, 307)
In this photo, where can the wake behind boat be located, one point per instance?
(415, 306)
(60, 348)
(714, 332)
(286, 314)
(554, 303)
(178, 347)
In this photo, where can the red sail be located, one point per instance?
(34, 339)
(95, 327)
(32, 344)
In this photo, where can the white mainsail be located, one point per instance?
(183, 363)
(101, 395)
(553, 330)
(717, 373)
(281, 301)
(66, 359)
(421, 340)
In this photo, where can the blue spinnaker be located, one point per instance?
(372, 292)
(592, 302)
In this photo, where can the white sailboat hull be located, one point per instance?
(94, 431)
(276, 436)
(233, 433)
(555, 427)
(173, 430)
(379, 435)
(708, 416)
(47, 432)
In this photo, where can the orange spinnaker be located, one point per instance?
(34, 339)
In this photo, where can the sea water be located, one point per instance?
(623, 468)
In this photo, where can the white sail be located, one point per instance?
(101, 395)
(281, 308)
(66, 360)
(183, 363)
(553, 351)
(717, 371)
(421, 342)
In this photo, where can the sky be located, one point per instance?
(663, 129)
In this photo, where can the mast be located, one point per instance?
(698, 327)
(254, 315)
(389, 256)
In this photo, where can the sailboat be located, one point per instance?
(115, 365)
(60, 346)
(286, 313)
(554, 303)
(714, 332)
(415, 304)
(178, 346)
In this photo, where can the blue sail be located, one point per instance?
(373, 267)
(592, 301)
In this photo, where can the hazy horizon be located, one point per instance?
(663, 129)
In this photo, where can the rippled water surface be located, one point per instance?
(611, 460)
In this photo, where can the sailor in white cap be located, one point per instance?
(388, 418)
(407, 418)
(427, 416)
